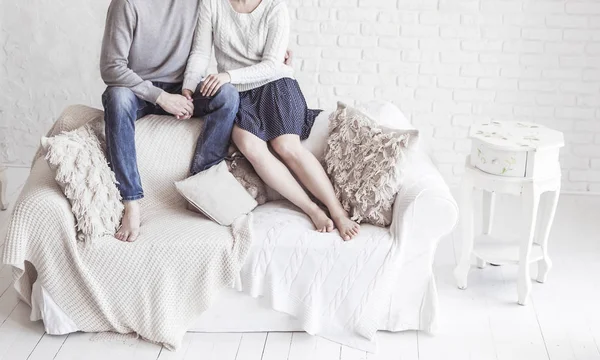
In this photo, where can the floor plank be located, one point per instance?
(396, 346)
(303, 347)
(352, 354)
(106, 346)
(48, 347)
(18, 335)
(277, 346)
(327, 349)
(8, 303)
(214, 346)
(251, 346)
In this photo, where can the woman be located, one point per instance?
(250, 38)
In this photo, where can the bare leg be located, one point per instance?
(304, 164)
(130, 224)
(277, 176)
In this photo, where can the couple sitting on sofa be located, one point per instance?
(253, 99)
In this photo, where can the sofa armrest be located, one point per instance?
(424, 210)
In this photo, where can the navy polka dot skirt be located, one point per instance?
(275, 109)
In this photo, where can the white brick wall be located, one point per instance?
(446, 63)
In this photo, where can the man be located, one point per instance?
(144, 53)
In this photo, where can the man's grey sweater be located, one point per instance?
(145, 41)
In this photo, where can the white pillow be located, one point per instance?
(86, 179)
(217, 194)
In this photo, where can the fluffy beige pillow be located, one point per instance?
(363, 161)
(244, 173)
(83, 173)
(217, 194)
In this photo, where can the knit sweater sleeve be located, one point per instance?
(278, 34)
(114, 62)
(201, 49)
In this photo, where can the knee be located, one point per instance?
(228, 97)
(287, 150)
(119, 99)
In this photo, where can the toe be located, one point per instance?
(330, 226)
(125, 236)
(133, 236)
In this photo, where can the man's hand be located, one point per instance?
(175, 104)
(288, 57)
(212, 83)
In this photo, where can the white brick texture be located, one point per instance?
(446, 63)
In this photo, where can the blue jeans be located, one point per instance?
(122, 108)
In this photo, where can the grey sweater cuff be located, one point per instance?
(152, 94)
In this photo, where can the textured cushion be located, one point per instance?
(244, 173)
(217, 194)
(363, 161)
(82, 172)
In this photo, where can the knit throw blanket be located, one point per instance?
(155, 287)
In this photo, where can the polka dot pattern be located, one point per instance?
(275, 109)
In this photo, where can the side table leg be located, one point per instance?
(466, 218)
(530, 203)
(545, 264)
(489, 207)
(3, 199)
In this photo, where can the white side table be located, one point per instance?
(518, 159)
(3, 199)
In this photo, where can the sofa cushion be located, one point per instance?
(363, 161)
(81, 170)
(217, 194)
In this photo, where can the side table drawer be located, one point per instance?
(498, 162)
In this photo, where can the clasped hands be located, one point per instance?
(182, 106)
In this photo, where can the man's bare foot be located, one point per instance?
(322, 222)
(130, 224)
(348, 229)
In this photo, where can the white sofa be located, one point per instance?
(287, 256)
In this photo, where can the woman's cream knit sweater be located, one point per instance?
(250, 47)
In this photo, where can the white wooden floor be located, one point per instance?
(562, 320)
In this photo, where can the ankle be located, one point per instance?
(313, 209)
(131, 205)
(339, 213)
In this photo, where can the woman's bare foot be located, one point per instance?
(348, 229)
(130, 224)
(322, 222)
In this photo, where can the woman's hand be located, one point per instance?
(175, 104)
(187, 93)
(212, 83)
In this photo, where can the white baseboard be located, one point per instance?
(579, 193)
(456, 191)
(17, 166)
